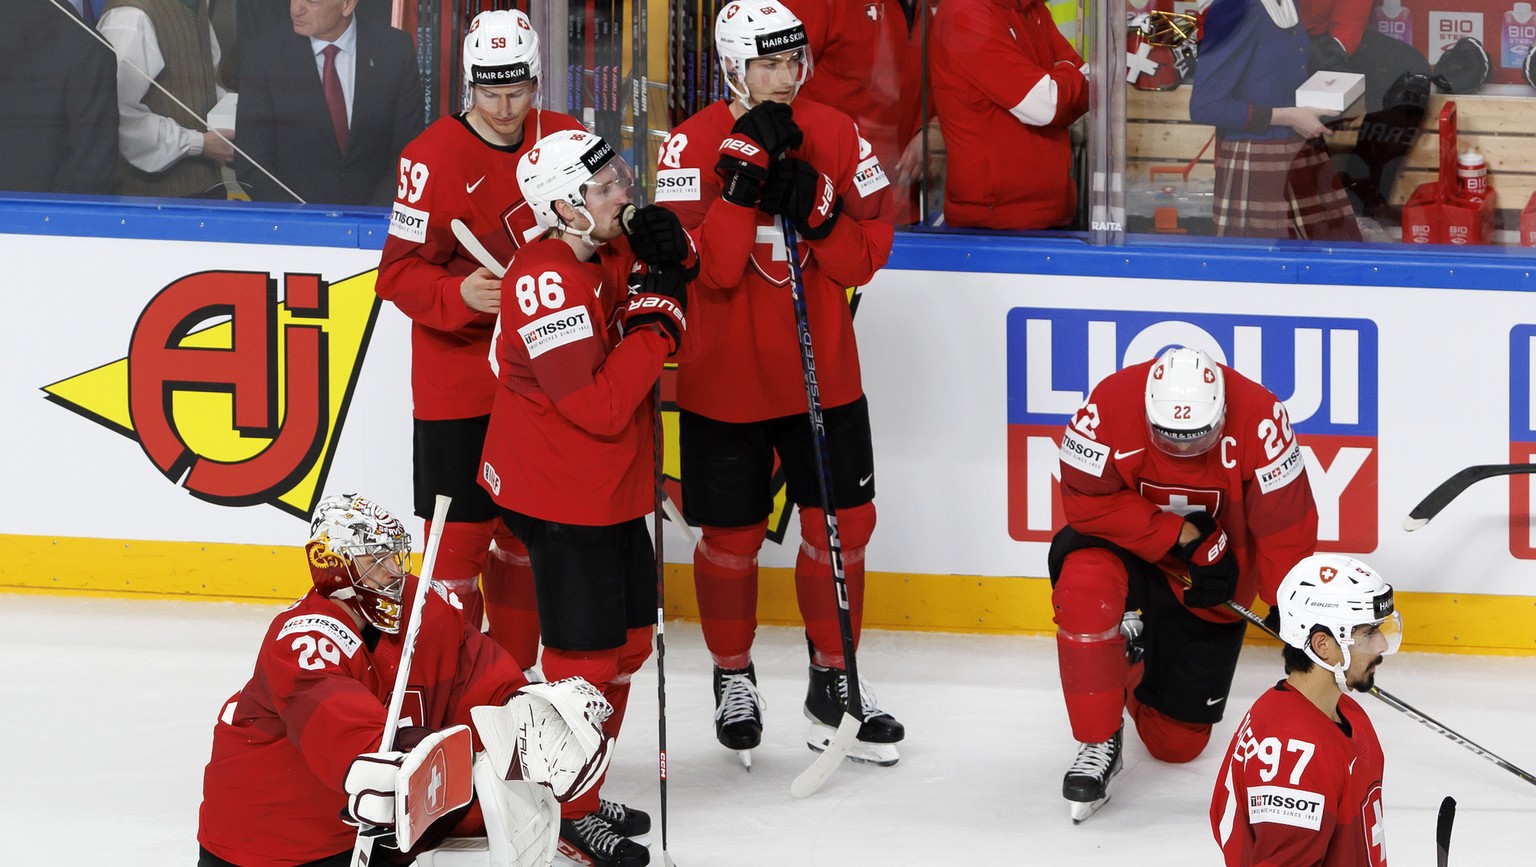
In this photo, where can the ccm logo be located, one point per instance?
(739, 144)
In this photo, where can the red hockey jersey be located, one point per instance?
(571, 429)
(272, 791)
(985, 57)
(741, 361)
(1296, 790)
(449, 172)
(1117, 485)
(867, 59)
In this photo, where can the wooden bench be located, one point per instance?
(1501, 128)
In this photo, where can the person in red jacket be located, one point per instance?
(462, 168)
(569, 457)
(732, 172)
(1175, 469)
(1301, 783)
(295, 769)
(869, 64)
(1006, 86)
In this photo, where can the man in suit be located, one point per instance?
(327, 107)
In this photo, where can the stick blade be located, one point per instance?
(1443, 831)
(811, 779)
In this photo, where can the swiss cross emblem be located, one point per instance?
(1373, 821)
(872, 10)
(1157, 372)
(533, 157)
(1210, 375)
(1327, 573)
(731, 12)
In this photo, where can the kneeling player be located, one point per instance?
(1301, 783)
(1175, 469)
(294, 769)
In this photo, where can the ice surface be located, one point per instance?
(109, 707)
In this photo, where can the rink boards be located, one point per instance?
(184, 383)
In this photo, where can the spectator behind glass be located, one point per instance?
(165, 150)
(58, 104)
(1273, 176)
(868, 63)
(1006, 86)
(284, 116)
(254, 19)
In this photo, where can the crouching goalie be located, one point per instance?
(295, 770)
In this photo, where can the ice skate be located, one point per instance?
(1086, 785)
(592, 842)
(624, 820)
(739, 711)
(825, 701)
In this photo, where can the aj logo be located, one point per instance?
(233, 394)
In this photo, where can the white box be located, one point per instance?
(1334, 91)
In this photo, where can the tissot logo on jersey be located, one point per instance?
(345, 639)
(1324, 369)
(233, 394)
(1282, 806)
(555, 330)
(408, 223)
(677, 185)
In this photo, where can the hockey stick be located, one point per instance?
(1387, 698)
(362, 849)
(661, 617)
(1451, 488)
(1443, 831)
(821, 770)
(473, 247)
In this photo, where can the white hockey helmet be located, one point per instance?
(1186, 402)
(352, 538)
(576, 167)
(1335, 593)
(748, 29)
(500, 48)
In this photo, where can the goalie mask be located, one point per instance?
(746, 30)
(1335, 594)
(578, 168)
(359, 555)
(500, 48)
(1186, 402)
(1159, 49)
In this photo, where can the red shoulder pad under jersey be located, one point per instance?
(1294, 789)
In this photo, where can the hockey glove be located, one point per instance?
(771, 126)
(549, 733)
(795, 189)
(659, 297)
(1212, 568)
(656, 235)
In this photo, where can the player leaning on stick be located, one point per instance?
(1301, 783)
(569, 457)
(732, 172)
(294, 756)
(1176, 467)
(464, 167)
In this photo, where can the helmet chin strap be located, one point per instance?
(1338, 670)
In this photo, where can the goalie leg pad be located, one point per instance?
(522, 820)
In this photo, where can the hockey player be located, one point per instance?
(1301, 783)
(732, 172)
(869, 64)
(294, 751)
(462, 168)
(569, 457)
(1175, 468)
